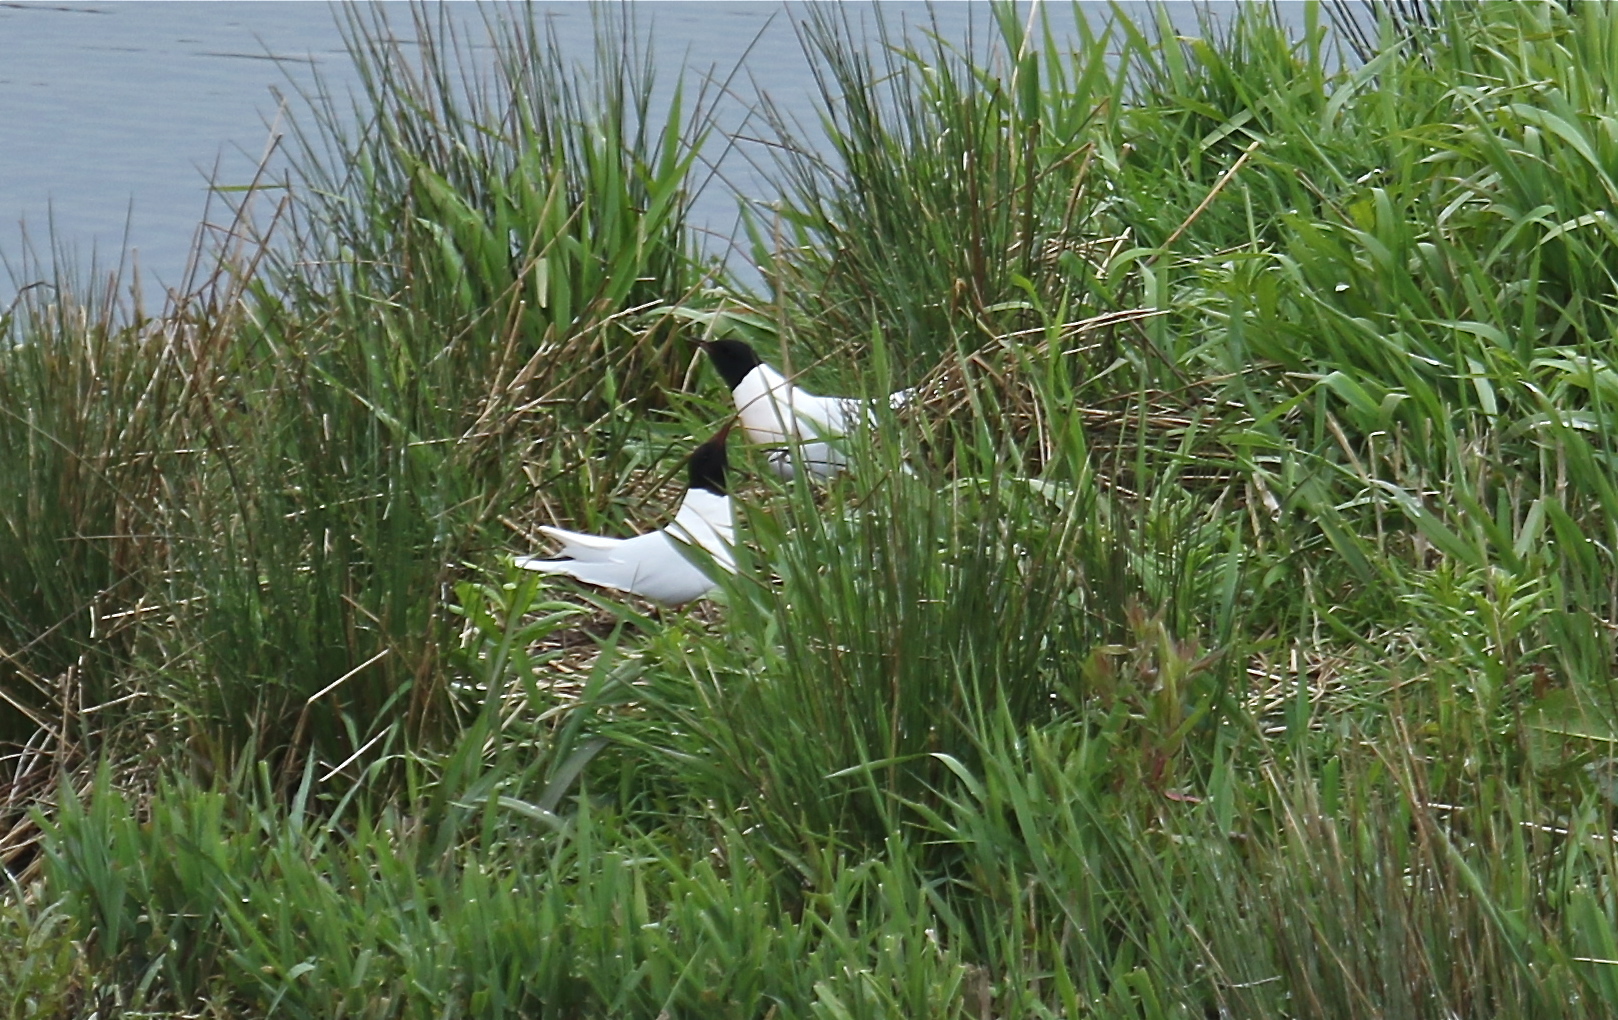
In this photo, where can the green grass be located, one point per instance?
(44, 967)
(1224, 629)
(471, 257)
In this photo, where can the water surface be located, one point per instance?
(115, 117)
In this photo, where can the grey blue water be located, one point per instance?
(117, 117)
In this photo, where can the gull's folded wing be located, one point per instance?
(581, 546)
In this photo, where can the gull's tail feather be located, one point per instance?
(603, 575)
(580, 546)
(543, 565)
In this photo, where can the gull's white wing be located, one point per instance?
(581, 546)
(775, 411)
(822, 460)
(830, 417)
(705, 520)
(653, 565)
(649, 565)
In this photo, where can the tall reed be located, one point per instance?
(1221, 628)
(463, 257)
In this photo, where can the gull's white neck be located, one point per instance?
(705, 520)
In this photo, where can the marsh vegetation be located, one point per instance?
(1224, 630)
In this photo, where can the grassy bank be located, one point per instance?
(1224, 630)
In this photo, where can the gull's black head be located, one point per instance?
(708, 463)
(732, 358)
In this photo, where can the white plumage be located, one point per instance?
(657, 565)
(774, 410)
